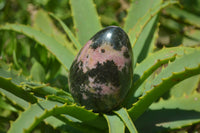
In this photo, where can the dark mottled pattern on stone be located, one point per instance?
(106, 73)
(118, 38)
(126, 54)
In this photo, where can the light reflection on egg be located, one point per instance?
(101, 74)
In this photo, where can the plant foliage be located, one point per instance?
(35, 57)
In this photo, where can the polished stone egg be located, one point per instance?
(101, 74)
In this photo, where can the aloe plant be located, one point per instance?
(163, 96)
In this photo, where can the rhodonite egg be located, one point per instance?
(101, 74)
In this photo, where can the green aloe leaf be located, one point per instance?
(42, 22)
(152, 45)
(143, 70)
(137, 11)
(64, 55)
(141, 24)
(43, 109)
(85, 18)
(154, 61)
(18, 102)
(191, 5)
(184, 67)
(38, 72)
(43, 90)
(16, 77)
(165, 120)
(8, 85)
(143, 44)
(183, 15)
(123, 114)
(186, 86)
(179, 112)
(29, 116)
(6, 71)
(183, 102)
(135, 23)
(5, 105)
(68, 32)
(115, 124)
(21, 105)
(192, 38)
(142, 31)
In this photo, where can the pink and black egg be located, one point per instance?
(101, 74)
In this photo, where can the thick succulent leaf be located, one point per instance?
(14, 100)
(145, 14)
(43, 90)
(192, 38)
(85, 18)
(115, 124)
(186, 86)
(183, 15)
(184, 67)
(143, 44)
(164, 120)
(137, 11)
(16, 78)
(43, 22)
(185, 102)
(64, 55)
(58, 99)
(54, 122)
(73, 126)
(141, 24)
(29, 116)
(179, 112)
(43, 109)
(197, 50)
(38, 89)
(37, 72)
(192, 6)
(6, 71)
(155, 60)
(123, 114)
(152, 45)
(8, 85)
(68, 32)
(21, 105)
(143, 70)
(5, 105)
